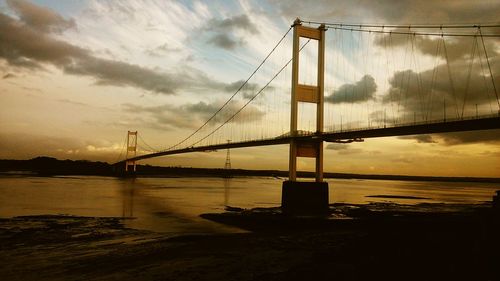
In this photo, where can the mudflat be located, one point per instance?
(379, 241)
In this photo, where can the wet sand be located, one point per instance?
(356, 242)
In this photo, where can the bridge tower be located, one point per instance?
(300, 197)
(131, 151)
(227, 165)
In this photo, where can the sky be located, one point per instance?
(75, 76)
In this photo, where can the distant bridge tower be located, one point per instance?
(227, 165)
(306, 196)
(131, 151)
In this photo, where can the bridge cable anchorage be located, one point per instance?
(248, 102)
(237, 91)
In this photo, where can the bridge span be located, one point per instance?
(476, 124)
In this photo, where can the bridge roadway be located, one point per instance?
(482, 123)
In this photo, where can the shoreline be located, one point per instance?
(47, 166)
(360, 242)
(331, 177)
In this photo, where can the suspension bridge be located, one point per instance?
(354, 81)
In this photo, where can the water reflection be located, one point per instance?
(227, 188)
(163, 205)
(128, 191)
(175, 204)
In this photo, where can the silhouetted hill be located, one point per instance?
(47, 166)
(52, 166)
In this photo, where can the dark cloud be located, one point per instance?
(241, 22)
(460, 79)
(344, 149)
(337, 146)
(395, 12)
(233, 87)
(487, 136)
(456, 47)
(421, 97)
(223, 31)
(23, 46)
(108, 72)
(8, 75)
(224, 41)
(420, 138)
(426, 93)
(40, 18)
(27, 47)
(248, 91)
(361, 91)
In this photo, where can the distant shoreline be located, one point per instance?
(47, 166)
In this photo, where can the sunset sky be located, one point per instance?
(76, 75)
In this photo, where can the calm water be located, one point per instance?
(174, 204)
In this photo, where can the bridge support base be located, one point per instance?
(304, 198)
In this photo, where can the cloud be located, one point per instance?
(396, 12)
(116, 73)
(336, 146)
(224, 41)
(361, 91)
(233, 87)
(193, 115)
(457, 48)
(161, 50)
(26, 146)
(457, 138)
(420, 138)
(241, 22)
(426, 93)
(67, 101)
(24, 46)
(224, 31)
(248, 91)
(40, 18)
(8, 75)
(488, 136)
(344, 149)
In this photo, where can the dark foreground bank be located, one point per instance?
(357, 242)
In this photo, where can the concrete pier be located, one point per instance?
(304, 198)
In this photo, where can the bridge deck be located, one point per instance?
(487, 123)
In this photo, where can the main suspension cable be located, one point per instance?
(249, 101)
(438, 26)
(237, 91)
(414, 33)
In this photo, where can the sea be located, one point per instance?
(174, 205)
